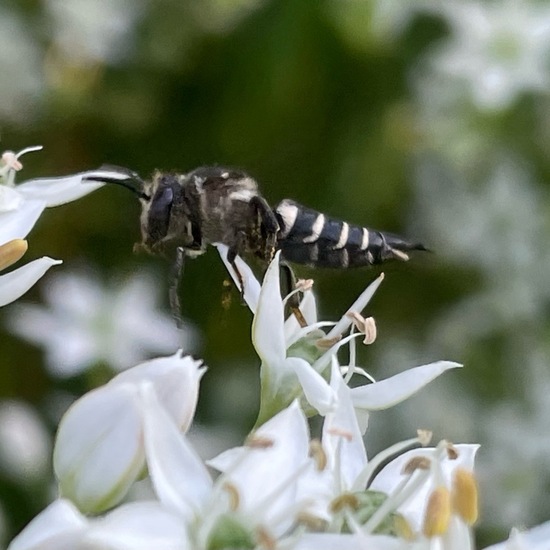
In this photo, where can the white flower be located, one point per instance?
(265, 473)
(256, 494)
(87, 32)
(25, 444)
(499, 49)
(138, 525)
(100, 449)
(21, 57)
(84, 323)
(284, 345)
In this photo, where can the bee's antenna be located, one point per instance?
(108, 173)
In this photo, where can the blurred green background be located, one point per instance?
(346, 106)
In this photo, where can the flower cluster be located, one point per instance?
(283, 488)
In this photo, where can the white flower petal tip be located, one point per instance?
(14, 284)
(358, 306)
(251, 293)
(59, 525)
(57, 191)
(175, 380)
(397, 388)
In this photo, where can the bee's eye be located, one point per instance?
(159, 211)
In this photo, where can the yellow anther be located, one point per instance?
(344, 501)
(12, 251)
(318, 454)
(233, 494)
(465, 500)
(438, 513)
(403, 528)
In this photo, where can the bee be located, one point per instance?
(184, 213)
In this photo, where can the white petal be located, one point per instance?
(26, 443)
(359, 305)
(17, 224)
(56, 191)
(341, 433)
(14, 284)
(329, 541)
(395, 389)
(251, 285)
(264, 475)
(180, 479)
(59, 526)
(317, 390)
(99, 451)
(139, 526)
(10, 199)
(176, 381)
(268, 325)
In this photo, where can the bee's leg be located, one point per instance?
(269, 226)
(175, 279)
(288, 284)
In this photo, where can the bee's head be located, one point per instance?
(165, 219)
(159, 196)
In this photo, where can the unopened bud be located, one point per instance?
(438, 513)
(465, 499)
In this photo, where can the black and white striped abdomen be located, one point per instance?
(309, 237)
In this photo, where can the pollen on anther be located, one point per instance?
(12, 251)
(452, 451)
(438, 513)
(345, 500)
(416, 463)
(233, 494)
(465, 495)
(317, 452)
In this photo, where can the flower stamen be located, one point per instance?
(465, 495)
(11, 252)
